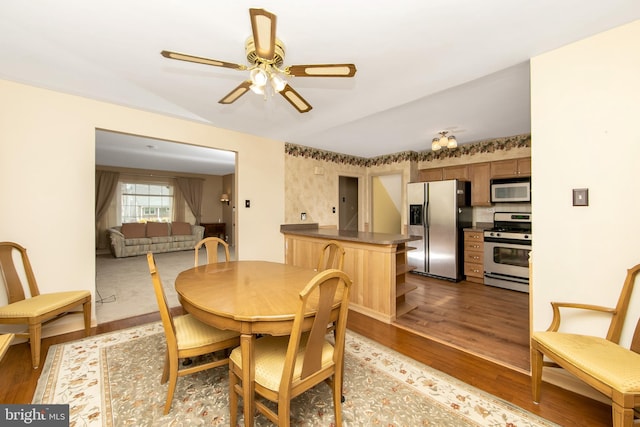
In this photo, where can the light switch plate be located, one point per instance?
(580, 197)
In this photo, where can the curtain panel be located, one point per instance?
(191, 189)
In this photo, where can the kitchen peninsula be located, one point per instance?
(376, 262)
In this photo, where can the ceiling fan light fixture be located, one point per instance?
(259, 77)
(435, 144)
(265, 54)
(277, 82)
(452, 142)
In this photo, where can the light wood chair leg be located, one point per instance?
(622, 417)
(536, 374)
(86, 309)
(173, 380)
(337, 397)
(233, 396)
(35, 335)
(284, 411)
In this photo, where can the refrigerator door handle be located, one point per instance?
(426, 214)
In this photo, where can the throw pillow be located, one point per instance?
(133, 230)
(157, 229)
(180, 228)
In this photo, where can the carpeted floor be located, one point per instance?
(114, 380)
(123, 285)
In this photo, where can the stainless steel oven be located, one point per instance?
(506, 251)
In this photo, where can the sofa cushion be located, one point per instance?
(180, 228)
(133, 230)
(157, 229)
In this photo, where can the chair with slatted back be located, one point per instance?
(36, 309)
(598, 361)
(287, 366)
(211, 246)
(187, 337)
(331, 256)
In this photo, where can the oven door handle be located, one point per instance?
(509, 277)
(508, 241)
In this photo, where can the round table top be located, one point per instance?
(243, 291)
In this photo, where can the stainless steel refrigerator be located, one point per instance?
(438, 211)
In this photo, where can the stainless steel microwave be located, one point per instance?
(511, 190)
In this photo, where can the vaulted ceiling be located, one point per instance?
(423, 66)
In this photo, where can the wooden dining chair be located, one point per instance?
(36, 309)
(186, 337)
(331, 256)
(211, 246)
(287, 366)
(598, 361)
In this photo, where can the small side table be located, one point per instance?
(214, 229)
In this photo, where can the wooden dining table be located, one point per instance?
(251, 297)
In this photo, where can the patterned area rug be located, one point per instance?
(114, 380)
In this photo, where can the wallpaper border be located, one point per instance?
(487, 146)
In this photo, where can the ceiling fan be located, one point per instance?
(265, 54)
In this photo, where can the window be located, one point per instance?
(145, 202)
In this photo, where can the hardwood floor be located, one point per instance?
(484, 320)
(19, 380)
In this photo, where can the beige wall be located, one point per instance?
(311, 187)
(47, 174)
(585, 133)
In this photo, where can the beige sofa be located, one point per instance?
(133, 239)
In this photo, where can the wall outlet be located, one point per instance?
(303, 216)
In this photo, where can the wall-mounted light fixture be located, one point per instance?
(443, 141)
(224, 198)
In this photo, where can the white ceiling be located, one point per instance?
(423, 66)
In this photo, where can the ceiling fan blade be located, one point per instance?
(201, 60)
(236, 93)
(322, 70)
(263, 25)
(295, 99)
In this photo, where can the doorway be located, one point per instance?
(386, 200)
(348, 195)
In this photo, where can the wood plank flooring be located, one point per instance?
(484, 320)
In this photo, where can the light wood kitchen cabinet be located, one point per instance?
(480, 177)
(426, 175)
(511, 168)
(474, 256)
(460, 172)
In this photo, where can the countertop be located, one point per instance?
(313, 230)
(480, 226)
